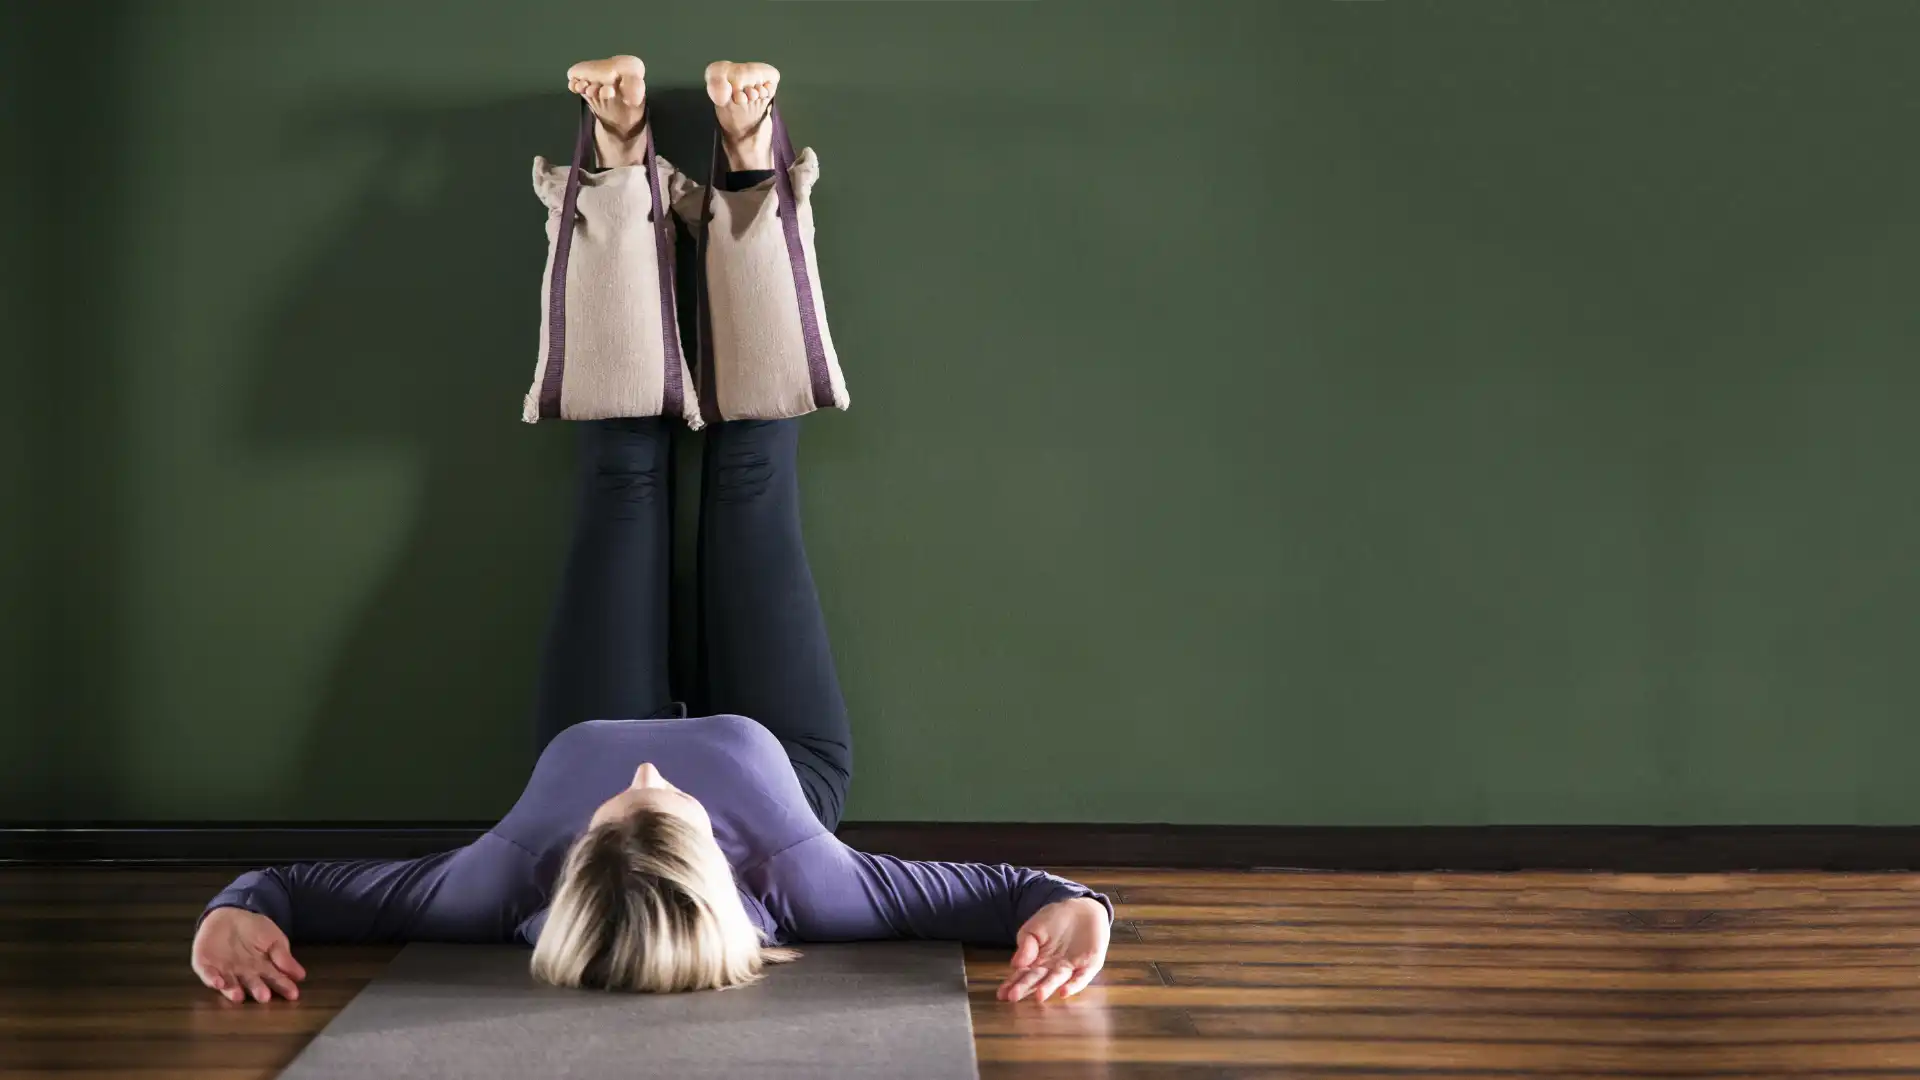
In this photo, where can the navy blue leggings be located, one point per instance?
(762, 650)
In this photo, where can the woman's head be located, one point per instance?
(645, 901)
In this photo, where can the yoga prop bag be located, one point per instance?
(609, 334)
(765, 352)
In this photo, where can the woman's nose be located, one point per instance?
(646, 776)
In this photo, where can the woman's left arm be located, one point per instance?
(1059, 929)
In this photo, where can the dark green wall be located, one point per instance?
(1264, 412)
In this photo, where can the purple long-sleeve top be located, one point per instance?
(798, 881)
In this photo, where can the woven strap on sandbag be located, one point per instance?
(788, 206)
(671, 396)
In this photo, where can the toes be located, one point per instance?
(741, 85)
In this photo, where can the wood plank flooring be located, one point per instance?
(1213, 975)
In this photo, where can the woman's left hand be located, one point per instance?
(1062, 947)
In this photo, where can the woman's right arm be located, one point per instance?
(345, 902)
(242, 943)
(477, 894)
(467, 894)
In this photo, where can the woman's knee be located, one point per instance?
(627, 458)
(750, 455)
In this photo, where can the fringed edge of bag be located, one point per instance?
(690, 410)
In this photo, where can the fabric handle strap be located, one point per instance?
(797, 255)
(673, 392)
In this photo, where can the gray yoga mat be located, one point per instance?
(861, 1011)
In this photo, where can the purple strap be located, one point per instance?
(557, 286)
(671, 390)
(708, 383)
(672, 395)
(797, 255)
(789, 210)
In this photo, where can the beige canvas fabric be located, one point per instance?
(615, 354)
(758, 349)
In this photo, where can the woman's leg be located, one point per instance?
(764, 651)
(763, 640)
(606, 649)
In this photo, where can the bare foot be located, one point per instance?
(616, 91)
(742, 94)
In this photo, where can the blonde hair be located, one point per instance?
(647, 903)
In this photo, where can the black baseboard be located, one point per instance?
(229, 843)
(1629, 849)
(1624, 849)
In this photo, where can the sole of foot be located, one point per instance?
(616, 90)
(741, 94)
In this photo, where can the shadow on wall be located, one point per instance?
(417, 326)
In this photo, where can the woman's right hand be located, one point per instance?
(238, 954)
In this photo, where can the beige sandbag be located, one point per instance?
(609, 335)
(765, 351)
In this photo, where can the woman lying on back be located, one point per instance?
(619, 877)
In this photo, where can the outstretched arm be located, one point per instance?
(822, 890)
(243, 939)
(242, 942)
(346, 902)
(984, 903)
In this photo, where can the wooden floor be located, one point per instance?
(1212, 975)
